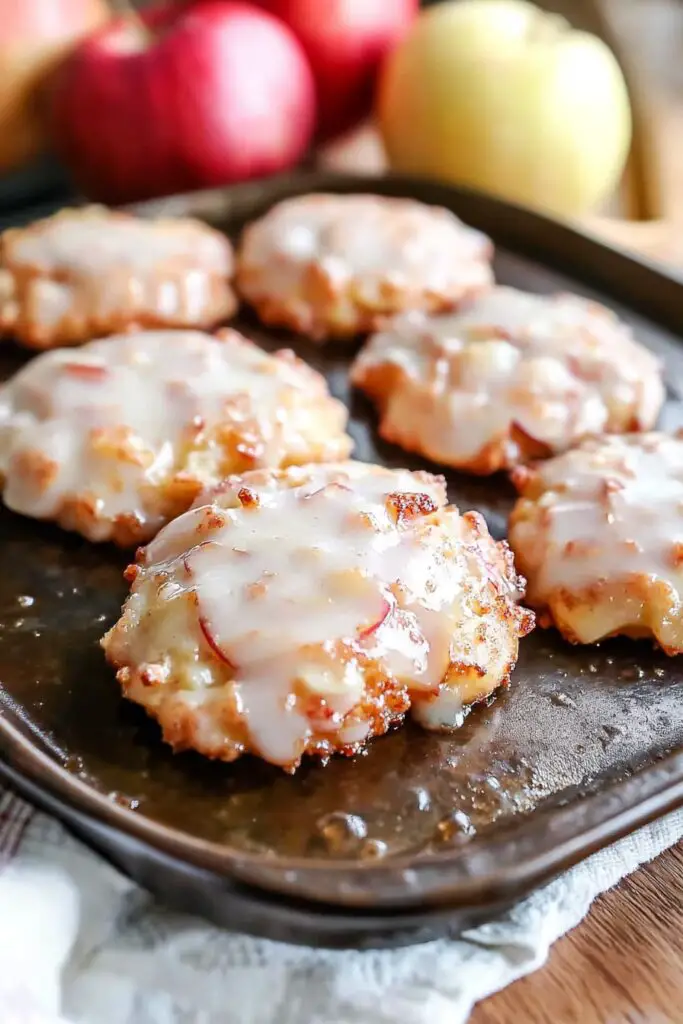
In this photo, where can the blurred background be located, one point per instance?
(118, 101)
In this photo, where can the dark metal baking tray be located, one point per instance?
(585, 746)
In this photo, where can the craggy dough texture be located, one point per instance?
(599, 534)
(83, 274)
(116, 439)
(333, 266)
(304, 611)
(509, 378)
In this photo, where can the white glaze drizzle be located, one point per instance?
(121, 414)
(96, 240)
(605, 511)
(295, 587)
(368, 240)
(558, 367)
(83, 273)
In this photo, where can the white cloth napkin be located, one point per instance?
(81, 944)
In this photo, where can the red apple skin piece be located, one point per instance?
(367, 631)
(199, 95)
(346, 42)
(86, 371)
(213, 644)
(204, 623)
(327, 489)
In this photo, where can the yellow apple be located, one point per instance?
(504, 97)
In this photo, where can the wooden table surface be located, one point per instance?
(624, 963)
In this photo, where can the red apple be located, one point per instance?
(346, 41)
(189, 96)
(34, 35)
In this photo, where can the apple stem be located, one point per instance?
(125, 9)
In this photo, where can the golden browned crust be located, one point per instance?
(169, 660)
(381, 381)
(322, 309)
(45, 303)
(619, 599)
(382, 707)
(466, 392)
(243, 439)
(425, 259)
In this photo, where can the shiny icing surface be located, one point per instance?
(96, 240)
(329, 258)
(305, 611)
(512, 375)
(117, 424)
(80, 271)
(601, 528)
